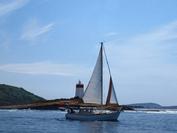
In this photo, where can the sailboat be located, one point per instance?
(94, 108)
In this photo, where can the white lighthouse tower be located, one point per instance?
(79, 90)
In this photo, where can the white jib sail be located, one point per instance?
(93, 92)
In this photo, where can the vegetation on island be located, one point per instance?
(11, 95)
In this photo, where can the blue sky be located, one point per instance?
(46, 46)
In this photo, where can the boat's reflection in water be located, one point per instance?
(99, 126)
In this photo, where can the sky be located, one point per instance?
(46, 46)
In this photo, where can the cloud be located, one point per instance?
(43, 68)
(33, 30)
(146, 64)
(10, 6)
(111, 34)
(155, 45)
(162, 34)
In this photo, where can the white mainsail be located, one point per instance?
(93, 92)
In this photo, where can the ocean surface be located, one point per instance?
(33, 121)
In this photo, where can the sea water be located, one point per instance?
(34, 121)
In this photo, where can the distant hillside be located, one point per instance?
(10, 95)
(150, 106)
(145, 105)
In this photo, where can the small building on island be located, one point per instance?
(79, 90)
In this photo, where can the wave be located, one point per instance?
(163, 112)
(154, 111)
(8, 110)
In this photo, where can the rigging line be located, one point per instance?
(107, 61)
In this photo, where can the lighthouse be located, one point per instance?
(79, 90)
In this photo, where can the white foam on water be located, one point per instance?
(153, 112)
(8, 110)
(130, 111)
(163, 112)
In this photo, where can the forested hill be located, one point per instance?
(10, 95)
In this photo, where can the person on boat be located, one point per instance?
(70, 110)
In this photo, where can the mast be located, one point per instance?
(101, 73)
